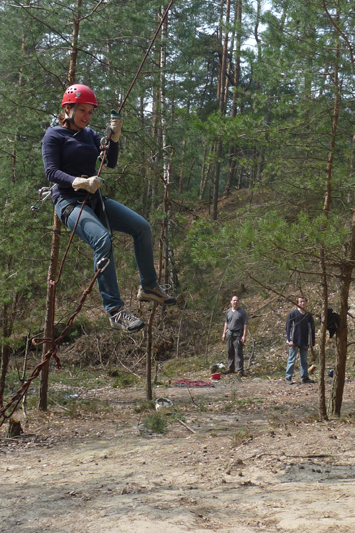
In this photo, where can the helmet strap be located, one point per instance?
(71, 119)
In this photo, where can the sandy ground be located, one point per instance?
(253, 458)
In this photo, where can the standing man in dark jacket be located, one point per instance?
(235, 331)
(300, 334)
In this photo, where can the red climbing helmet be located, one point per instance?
(79, 94)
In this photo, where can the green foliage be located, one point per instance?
(156, 423)
(124, 380)
(176, 415)
(144, 405)
(242, 435)
(279, 139)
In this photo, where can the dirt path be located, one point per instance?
(255, 461)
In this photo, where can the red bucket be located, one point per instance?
(216, 376)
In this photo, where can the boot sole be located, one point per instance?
(156, 301)
(127, 330)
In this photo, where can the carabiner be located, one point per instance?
(43, 194)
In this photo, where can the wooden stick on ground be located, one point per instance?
(186, 426)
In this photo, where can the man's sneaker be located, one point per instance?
(307, 380)
(157, 295)
(125, 321)
(289, 381)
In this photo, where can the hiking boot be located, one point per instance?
(125, 321)
(307, 380)
(240, 374)
(289, 381)
(157, 295)
(229, 371)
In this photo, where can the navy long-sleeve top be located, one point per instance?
(300, 328)
(68, 154)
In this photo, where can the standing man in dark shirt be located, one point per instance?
(300, 334)
(235, 331)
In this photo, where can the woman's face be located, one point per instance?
(82, 115)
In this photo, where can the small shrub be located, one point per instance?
(156, 422)
(241, 436)
(176, 416)
(124, 380)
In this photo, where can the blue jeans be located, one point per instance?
(292, 354)
(92, 229)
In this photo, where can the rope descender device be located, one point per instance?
(104, 144)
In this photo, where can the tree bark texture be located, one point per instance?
(8, 320)
(48, 327)
(74, 44)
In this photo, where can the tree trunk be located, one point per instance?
(49, 321)
(347, 268)
(182, 170)
(164, 240)
(8, 318)
(204, 174)
(237, 56)
(336, 396)
(322, 409)
(149, 391)
(74, 44)
(215, 195)
(50, 303)
(223, 70)
(231, 169)
(233, 149)
(222, 104)
(156, 133)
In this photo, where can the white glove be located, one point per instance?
(88, 184)
(116, 126)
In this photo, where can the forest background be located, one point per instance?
(247, 100)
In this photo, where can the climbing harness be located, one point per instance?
(7, 410)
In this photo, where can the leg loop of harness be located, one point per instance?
(67, 211)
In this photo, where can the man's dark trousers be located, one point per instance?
(235, 352)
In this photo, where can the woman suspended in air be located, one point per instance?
(70, 153)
